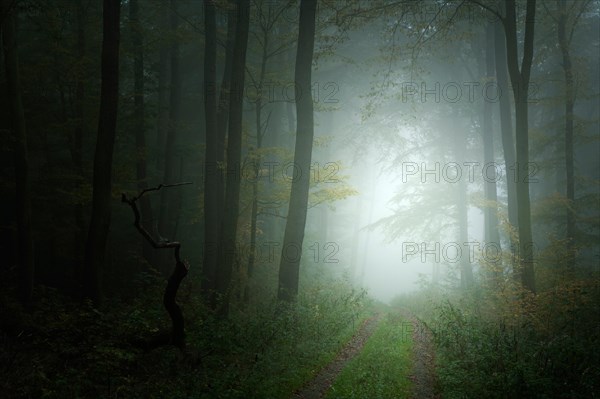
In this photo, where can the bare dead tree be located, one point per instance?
(177, 335)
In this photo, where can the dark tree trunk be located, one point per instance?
(260, 131)
(228, 233)
(107, 123)
(140, 120)
(492, 236)
(224, 98)
(77, 142)
(211, 177)
(77, 152)
(23, 194)
(214, 185)
(520, 83)
(289, 266)
(177, 335)
(167, 219)
(508, 146)
(569, 104)
(162, 124)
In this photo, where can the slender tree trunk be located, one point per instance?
(167, 217)
(492, 236)
(23, 194)
(162, 125)
(107, 123)
(289, 267)
(77, 152)
(366, 241)
(355, 240)
(211, 177)
(257, 160)
(76, 139)
(216, 130)
(291, 120)
(77, 142)
(520, 83)
(569, 105)
(508, 146)
(228, 233)
(224, 99)
(253, 216)
(139, 121)
(276, 127)
(466, 271)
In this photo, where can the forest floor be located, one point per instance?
(422, 373)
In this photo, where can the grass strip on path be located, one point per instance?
(317, 387)
(383, 367)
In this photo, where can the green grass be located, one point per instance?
(263, 350)
(381, 369)
(288, 366)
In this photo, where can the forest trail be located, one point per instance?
(423, 375)
(423, 368)
(318, 386)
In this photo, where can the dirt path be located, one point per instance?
(318, 386)
(423, 374)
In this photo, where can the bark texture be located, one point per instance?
(107, 123)
(289, 266)
(25, 257)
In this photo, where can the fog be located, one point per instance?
(406, 123)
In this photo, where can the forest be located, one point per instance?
(361, 199)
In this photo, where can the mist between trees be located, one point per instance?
(287, 92)
(270, 251)
(269, 171)
(454, 92)
(453, 172)
(452, 252)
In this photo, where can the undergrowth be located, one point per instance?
(62, 349)
(506, 343)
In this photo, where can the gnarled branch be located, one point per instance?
(177, 336)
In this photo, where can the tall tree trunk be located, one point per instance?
(492, 236)
(23, 193)
(228, 233)
(107, 123)
(289, 266)
(508, 146)
(569, 104)
(139, 121)
(355, 241)
(520, 83)
(167, 216)
(211, 176)
(77, 152)
(259, 140)
(77, 142)
(224, 99)
(366, 241)
(216, 130)
(466, 271)
(162, 124)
